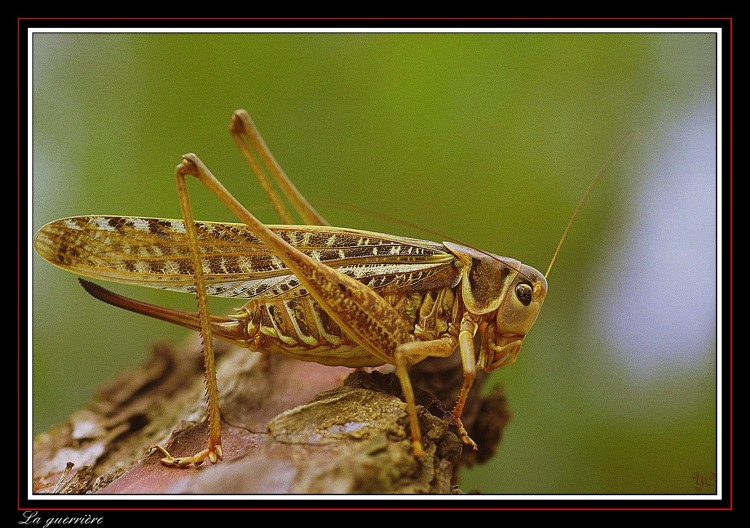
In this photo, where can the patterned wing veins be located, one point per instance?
(154, 252)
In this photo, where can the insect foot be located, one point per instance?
(214, 454)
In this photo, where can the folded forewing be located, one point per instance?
(154, 252)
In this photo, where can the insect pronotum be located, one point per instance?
(331, 295)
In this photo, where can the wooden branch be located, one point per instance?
(287, 426)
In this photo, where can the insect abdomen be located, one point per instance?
(301, 329)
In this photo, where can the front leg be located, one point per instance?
(468, 359)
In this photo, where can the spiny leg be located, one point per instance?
(360, 312)
(443, 347)
(468, 360)
(248, 139)
(213, 452)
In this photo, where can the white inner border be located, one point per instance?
(720, 279)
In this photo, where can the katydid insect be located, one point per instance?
(331, 295)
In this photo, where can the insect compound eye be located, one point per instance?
(523, 292)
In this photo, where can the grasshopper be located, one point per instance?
(335, 296)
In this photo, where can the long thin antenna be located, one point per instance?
(442, 236)
(395, 220)
(623, 145)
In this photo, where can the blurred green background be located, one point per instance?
(490, 138)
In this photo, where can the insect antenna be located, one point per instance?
(615, 154)
(394, 219)
(442, 236)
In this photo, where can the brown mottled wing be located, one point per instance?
(154, 252)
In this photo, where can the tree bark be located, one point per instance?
(287, 427)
